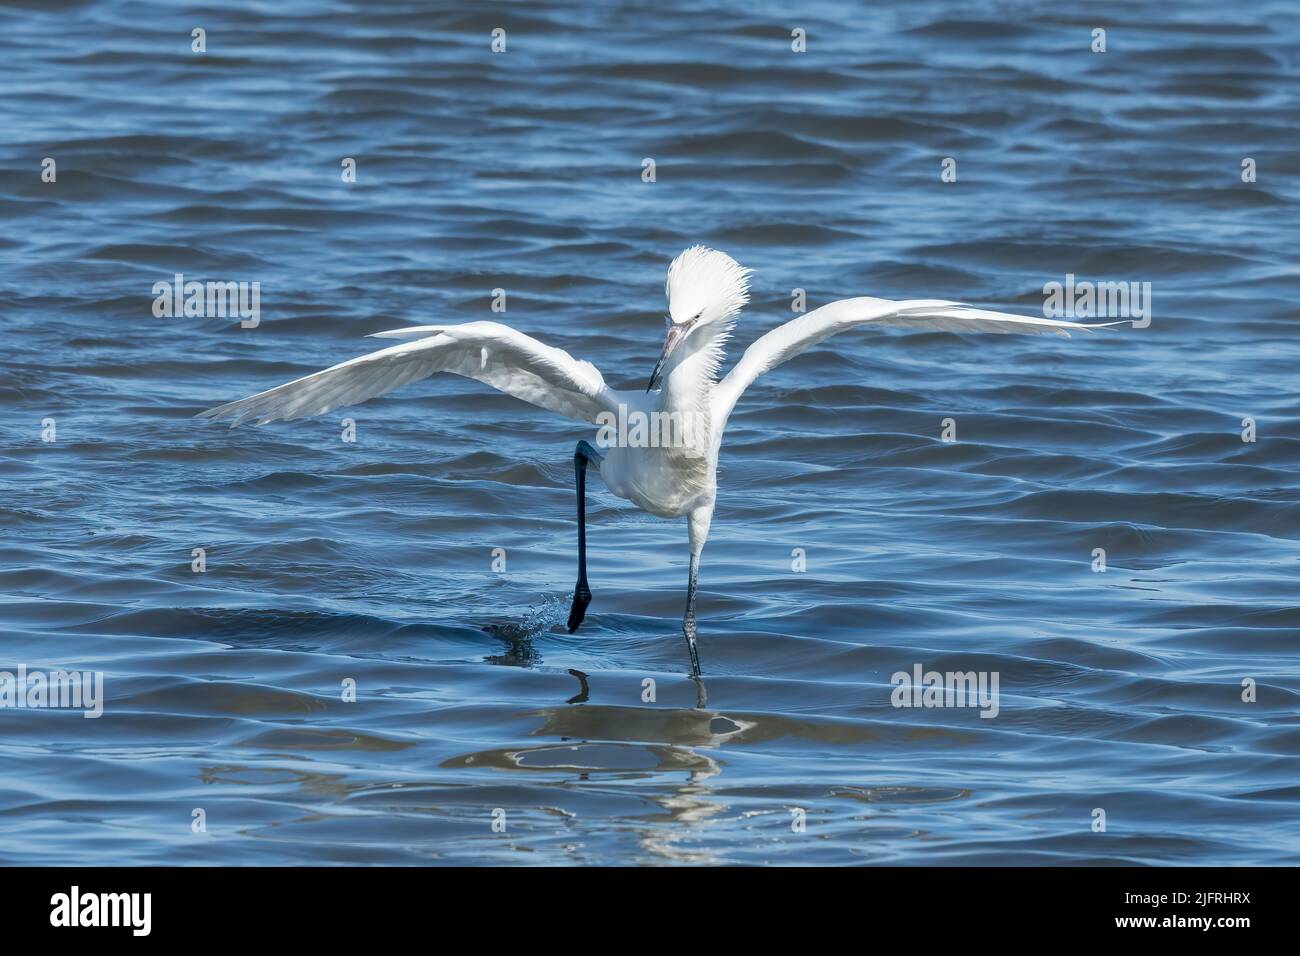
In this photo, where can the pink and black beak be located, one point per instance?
(676, 332)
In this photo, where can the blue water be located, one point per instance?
(1120, 691)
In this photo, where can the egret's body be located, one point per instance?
(706, 292)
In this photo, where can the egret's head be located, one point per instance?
(706, 289)
(705, 286)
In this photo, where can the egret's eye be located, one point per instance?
(697, 315)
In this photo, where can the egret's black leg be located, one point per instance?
(583, 454)
(688, 622)
(698, 527)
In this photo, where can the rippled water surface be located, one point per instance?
(372, 561)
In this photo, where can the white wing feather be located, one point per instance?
(495, 354)
(794, 337)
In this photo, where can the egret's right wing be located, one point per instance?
(492, 353)
(786, 341)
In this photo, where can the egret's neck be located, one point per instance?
(688, 384)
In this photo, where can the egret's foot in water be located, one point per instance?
(701, 694)
(581, 598)
(688, 629)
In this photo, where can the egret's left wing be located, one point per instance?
(794, 337)
(492, 353)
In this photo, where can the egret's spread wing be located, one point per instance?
(496, 354)
(786, 341)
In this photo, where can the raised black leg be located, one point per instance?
(583, 454)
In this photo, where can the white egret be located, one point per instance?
(676, 478)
